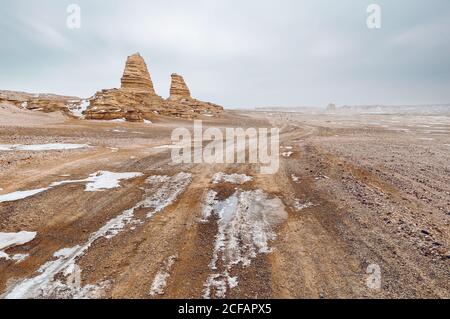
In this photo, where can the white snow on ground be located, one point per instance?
(4, 255)
(101, 180)
(8, 240)
(299, 206)
(167, 192)
(167, 146)
(295, 179)
(78, 110)
(232, 179)
(96, 182)
(148, 122)
(209, 203)
(45, 285)
(21, 195)
(246, 222)
(118, 120)
(41, 147)
(20, 257)
(160, 281)
(287, 154)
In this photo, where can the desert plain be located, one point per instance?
(356, 195)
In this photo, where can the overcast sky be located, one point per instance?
(238, 53)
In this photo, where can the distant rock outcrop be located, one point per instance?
(137, 100)
(331, 107)
(47, 103)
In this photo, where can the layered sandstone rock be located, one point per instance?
(180, 98)
(136, 77)
(47, 103)
(178, 88)
(137, 100)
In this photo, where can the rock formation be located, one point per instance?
(331, 107)
(178, 88)
(137, 100)
(136, 77)
(180, 98)
(41, 102)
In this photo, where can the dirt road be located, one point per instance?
(348, 197)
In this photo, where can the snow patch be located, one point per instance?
(209, 202)
(169, 188)
(42, 147)
(299, 206)
(295, 179)
(8, 240)
(21, 195)
(20, 257)
(246, 222)
(100, 181)
(232, 179)
(96, 182)
(160, 281)
(172, 146)
(45, 284)
(78, 109)
(287, 154)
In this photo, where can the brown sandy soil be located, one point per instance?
(377, 188)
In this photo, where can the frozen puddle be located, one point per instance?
(41, 147)
(160, 281)
(96, 182)
(162, 191)
(232, 179)
(246, 222)
(8, 240)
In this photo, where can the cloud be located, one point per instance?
(237, 53)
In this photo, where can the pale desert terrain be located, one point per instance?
(115, 218)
